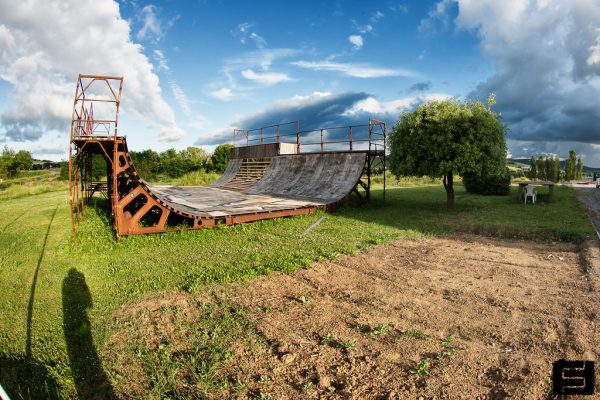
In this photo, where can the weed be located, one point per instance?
(381, 330)
(263, 379)
(447, 341)
(303, 298)
(445, 354)
(348, 344)
(240, 385)
(329, 338)
(264, 396)
(363, 328)
(308, 387)
(414, 334)
(421, 370)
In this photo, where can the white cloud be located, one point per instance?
(373, 106)
(258, 40)
(151, 23)
(376, 16)
(302, 101)
(245, 33)
(439, 14)
(43, 149)
(223, 94)
(161, 60)
(171, 135)
(181, 98)
(245, 26)
(354, 70)
(370, 27)
(42, 60)
(265, 78)
(356, 40)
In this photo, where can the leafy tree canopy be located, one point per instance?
(11, 163)
(443, 138)
(220, 157)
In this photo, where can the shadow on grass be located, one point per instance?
(26, 378)
(86, 367)
(33, 286)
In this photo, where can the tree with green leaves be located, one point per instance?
(448, 137)
(541, 168)
(555, 169)
(548, 168)
(571, 166)
(579, 173)
(220, 157)
(11, 163)
(532, 169)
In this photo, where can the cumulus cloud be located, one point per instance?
(265, 78)
(371, 105)
(42, 60)
(356, 40)
(547, 74)
(356, 70)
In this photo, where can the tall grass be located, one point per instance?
(30, 189)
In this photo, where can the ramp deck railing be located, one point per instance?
(371, 137)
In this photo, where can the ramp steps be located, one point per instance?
(250, 172)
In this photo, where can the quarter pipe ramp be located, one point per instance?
(261, 181)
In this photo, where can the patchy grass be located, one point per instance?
(61, 306)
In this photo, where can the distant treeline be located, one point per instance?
(170, 163)
(12, 162)
(548, 168)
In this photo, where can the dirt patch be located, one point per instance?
(440, 318)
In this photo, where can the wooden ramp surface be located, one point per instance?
(287, 182)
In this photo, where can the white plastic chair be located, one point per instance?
(530, 192)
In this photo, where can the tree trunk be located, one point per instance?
(449, 186)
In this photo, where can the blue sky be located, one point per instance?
(195, 70)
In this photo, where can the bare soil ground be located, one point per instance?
(484, 319)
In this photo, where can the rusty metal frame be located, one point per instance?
(135, 208)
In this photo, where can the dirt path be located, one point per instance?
(466, 317)
(506, 309)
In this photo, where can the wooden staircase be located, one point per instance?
(250, 172)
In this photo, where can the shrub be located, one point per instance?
(495, 183)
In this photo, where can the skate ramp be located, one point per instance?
(289, 182)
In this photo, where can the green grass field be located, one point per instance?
(58, 303)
